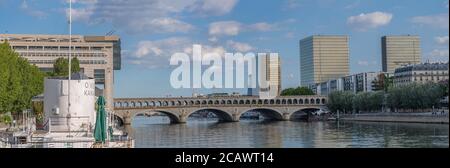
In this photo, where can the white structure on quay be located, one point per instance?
(99, 55)
(421, 73)
(82, 109)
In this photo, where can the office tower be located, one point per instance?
(399, 50)
(99, 55)
(268, 69)
(323, 58)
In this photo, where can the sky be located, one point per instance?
(152, 30)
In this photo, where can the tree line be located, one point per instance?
(297, 91)
(408, 98)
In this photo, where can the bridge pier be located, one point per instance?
(127, 120)
(235, 117)
(181, 119)
(286, 117)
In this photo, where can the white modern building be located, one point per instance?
(361, 82)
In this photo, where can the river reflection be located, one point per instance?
(156, 132)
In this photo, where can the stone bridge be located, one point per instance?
(227, 109)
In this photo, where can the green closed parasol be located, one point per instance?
(100, 123)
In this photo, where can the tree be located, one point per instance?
(75, 65)
(297, 91)
(19, 81)
(61, 66)
(415, 96)
(340, 100)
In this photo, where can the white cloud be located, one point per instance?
(291, 76)
(234, 28)
(289, 35)
(438, 53)
(238, 46)
(159, 25)
(291, 4)
(157, 53)
(262, 26)
(147, 16)
(363, 63)
(213, 7)
(366, 63)
(228, 28)
(31, 11)
(443, 40)
(435, 21)
(82, 14)
(363, 22)
(353, 5)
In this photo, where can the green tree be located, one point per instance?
(75, 65)
(340, 100)
(297, 91)
(415, 96)
(61, 66)
(19, 81)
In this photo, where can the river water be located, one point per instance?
(156, 132)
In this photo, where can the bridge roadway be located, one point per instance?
(227, 109)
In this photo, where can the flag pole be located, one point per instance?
(70, 61)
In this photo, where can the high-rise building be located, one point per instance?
(398, 51)
(99, 56)
(323, 58)
(269, 67)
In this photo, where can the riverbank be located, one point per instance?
(399, 117)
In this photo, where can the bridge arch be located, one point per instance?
(221, 114)
(174, 118)
(302, 112)
(267, 113)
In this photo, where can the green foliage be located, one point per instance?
(61, 66)
(38, 110)
(413, 96)
(75, 65)
(341, 100)
(19, 81)
(368, 101)
(6, 118)
(416, 96)
(297, 91)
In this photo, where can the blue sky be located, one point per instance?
(152, 30)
